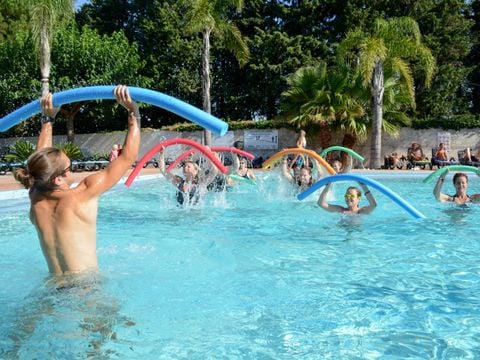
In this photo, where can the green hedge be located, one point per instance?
(234, 125)
(456, 122)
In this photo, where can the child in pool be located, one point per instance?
(352, 196)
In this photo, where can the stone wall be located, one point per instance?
(459, 140)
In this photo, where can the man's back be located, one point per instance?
(66, 226)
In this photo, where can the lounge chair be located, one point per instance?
(441, 163)
(89, 164)
(464, 160)
(416, 158)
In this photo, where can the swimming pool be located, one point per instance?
(251, 273)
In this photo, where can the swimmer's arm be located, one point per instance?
(168, 175)
(372, 203)
(286, 171)
(208, 178)
(322, 201)
(236, 164)
(103, 180)
(438, 188)
(475, 197)
(346, 168)
(45, 138)
(251, 175)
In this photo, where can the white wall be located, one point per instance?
(102, 143)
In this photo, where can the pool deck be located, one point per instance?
(7, 182)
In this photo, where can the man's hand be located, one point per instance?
(47, 106)
(123, 98)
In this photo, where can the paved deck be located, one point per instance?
(7, 182)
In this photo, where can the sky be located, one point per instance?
(79, 3)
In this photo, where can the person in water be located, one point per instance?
(352, 196)
(244, 171)
(302, 177)
(460, 182)
(193, 183)
(66, 218)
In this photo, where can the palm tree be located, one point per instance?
(46, 15)
(209, 18)
(317, 95)
(390, 45)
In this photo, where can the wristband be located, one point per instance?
(46, 119)
(136, 115)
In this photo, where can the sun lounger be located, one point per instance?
(441, 163)
(464, 161)
(416, 158)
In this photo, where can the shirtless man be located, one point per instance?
(66, 218)
(460, 181)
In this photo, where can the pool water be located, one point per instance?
(252, 273)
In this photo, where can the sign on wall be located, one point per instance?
(261, 139)
(445, 138)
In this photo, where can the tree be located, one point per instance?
(85, 58)
(318, 95)
(210, 17)
(390, 44)
(46, 16)
(13, 18)
(80, 58)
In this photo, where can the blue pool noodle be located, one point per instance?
(156, 98)
(364, 180)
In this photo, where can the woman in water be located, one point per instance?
(192, 184)
(352, 196)
(302, 176)
(244, 171)
(460, 181)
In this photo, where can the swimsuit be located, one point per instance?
(218, 184)
(185, 188)
(469, 199)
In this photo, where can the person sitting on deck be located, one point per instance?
(415, 153)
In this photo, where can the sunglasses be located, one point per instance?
(64, 171)
(350, 196)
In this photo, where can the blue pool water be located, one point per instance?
(251, 274)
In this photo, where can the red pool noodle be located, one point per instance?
(167, 143)
(213, 148)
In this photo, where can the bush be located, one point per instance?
(21, 150)
(456, 122)
(71, 150)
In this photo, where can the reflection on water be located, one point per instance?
(63, 312)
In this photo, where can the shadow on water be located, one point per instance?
(71, 317)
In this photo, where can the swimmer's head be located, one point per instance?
(337, 166)
(304, 176)
(46, 169)
(190, 168)
(352, 196)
